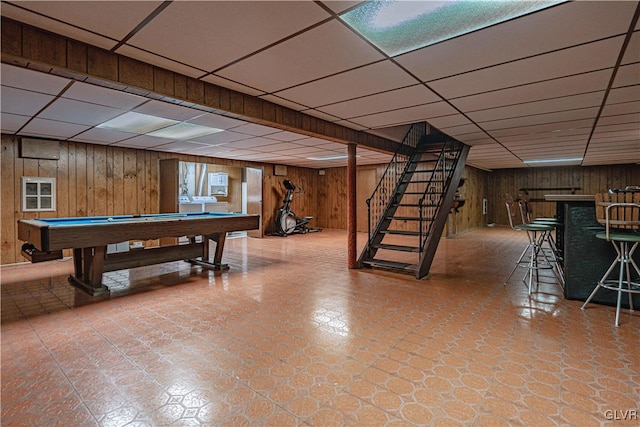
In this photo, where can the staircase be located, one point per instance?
(409, 207)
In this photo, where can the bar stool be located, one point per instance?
(533, 248)
(545, 237)
(620, 214)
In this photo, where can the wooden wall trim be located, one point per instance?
(30, 47)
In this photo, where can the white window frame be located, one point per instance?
(38, 194)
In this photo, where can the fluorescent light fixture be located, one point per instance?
(331, 157)
(137, 123)
(567, 160)
(184, 130)
(398, 27)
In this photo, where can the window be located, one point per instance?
(38, 194)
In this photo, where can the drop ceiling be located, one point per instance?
(563, 82)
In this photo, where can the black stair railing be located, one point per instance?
(384, 192)
(431, 201)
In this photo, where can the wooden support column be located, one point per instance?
(352, 226)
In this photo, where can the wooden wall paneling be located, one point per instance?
(100, 180)
(49, 169)
(140, 182)
(118, 181)
(8, 176)
(81, 180)
(332, 197)
(130, 182)
(152, 190)
(19, 172)
(90, 171)
(62, 182)
(73, 182)
(109, 180)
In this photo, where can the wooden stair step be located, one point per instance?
(401, 248)
(404, 218)
(401, 232)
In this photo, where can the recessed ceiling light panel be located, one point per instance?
(398, 27)
(184, 130)
(137, 123)
(567, 160)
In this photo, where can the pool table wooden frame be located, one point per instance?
(89, 237)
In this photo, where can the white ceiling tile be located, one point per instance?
(557, 118)
(226, 83)
(180, 146)
(622, 108)
(567, 86)
(103, 96)
(339, 6)
(142, 141)
(405, 115)
(287, 136)
(632, 54)
(217, 121)
(22, 102)
(12, 122)
(82, 113)
(212, 34)
(621, 118)
(538, 107)
(395, 133)
(159, 61)
(282, 147)
(375, 78)
(219, 138)
(462, 130)
(35, 81)
(284, 102)
(252, 143)
(628, 135)
(311, 151)
(411, 95)
(580, 59)
(453, 120)
(627, 75)
(52, 128)
(540, 128)
(562, 26)
(351, 125)
(168, 110)
(102, 136)
(321, 115)
(615, 128)
(324, 50)
(625, 94)
(255, 129)
(78, 19)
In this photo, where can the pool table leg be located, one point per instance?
(217, 264)
(88, 265)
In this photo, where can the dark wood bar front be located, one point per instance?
(585, 257)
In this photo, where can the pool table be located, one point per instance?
(89, 237)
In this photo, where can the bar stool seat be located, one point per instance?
(622, 228)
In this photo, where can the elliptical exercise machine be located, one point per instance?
(286, 221)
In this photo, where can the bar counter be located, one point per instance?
(585, 257)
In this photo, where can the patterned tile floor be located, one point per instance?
(290, 336)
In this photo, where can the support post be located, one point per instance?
(352, 225)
